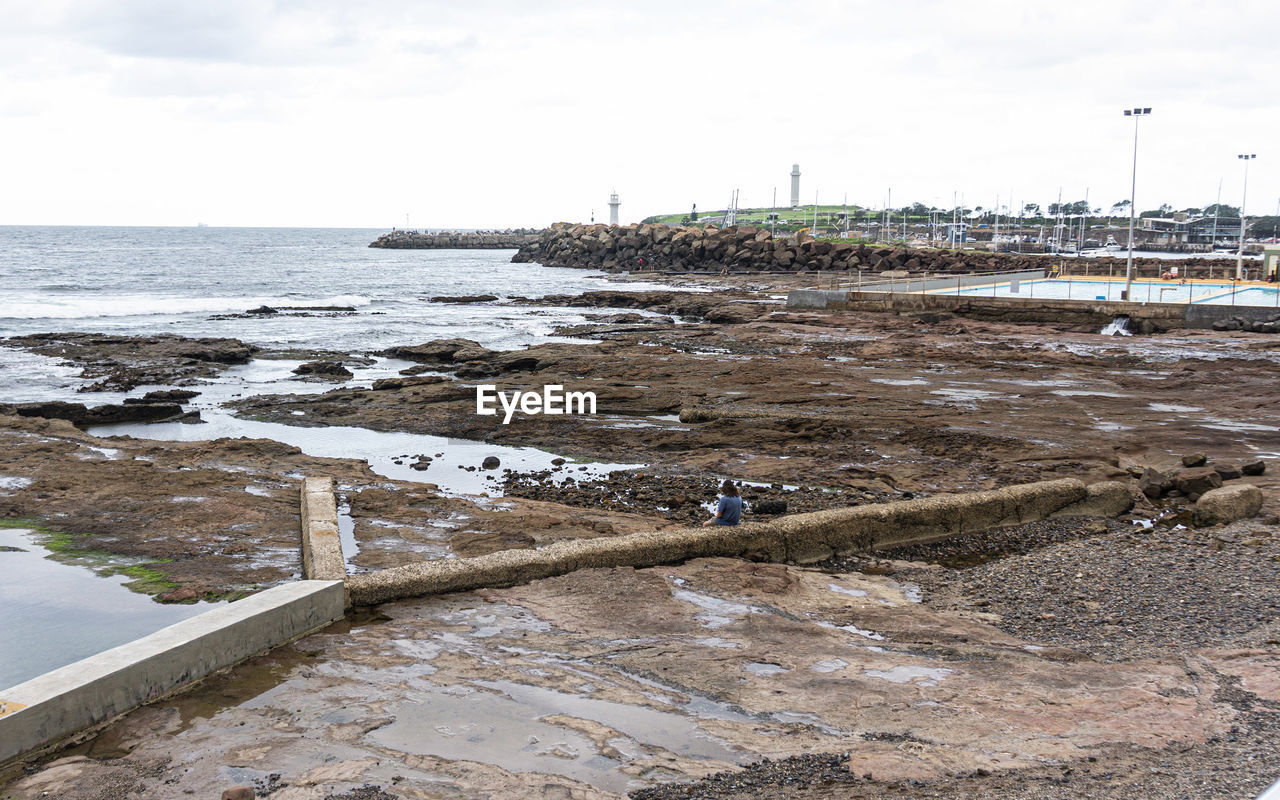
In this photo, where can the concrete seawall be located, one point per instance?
(800, 538)
(45, 711)
(322, 558)
(483, 240)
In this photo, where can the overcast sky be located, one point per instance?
(489, 113)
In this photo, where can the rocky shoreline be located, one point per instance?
(1074, 657)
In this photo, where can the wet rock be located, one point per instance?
(557, 462)
(1229, 472)
(80, 415)
(1195, 482)
(436, 351)
(121, 363)
(1227, 504)
(239, 793)
(386, 384)
(263, 310)
(1153, 482)
(491, 462)
(1195, 460)
(1255, 467)
(466, 298)
(422, 464)
(183, 594)
(324, 369)
(769, 507)
(170, 396)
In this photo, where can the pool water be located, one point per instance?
(1143, 291)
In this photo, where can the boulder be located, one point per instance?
(324, 369)
(1196, 481)
(437, 351)
(491, 462)
(1195, 460)
(1229, 472)
(1227, 504)
(1255, 467)
(1154, 483)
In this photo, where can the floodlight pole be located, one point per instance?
(1136, 113)
(1246, 158)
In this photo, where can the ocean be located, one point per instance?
(178, 280)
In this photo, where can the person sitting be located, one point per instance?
(728, 508)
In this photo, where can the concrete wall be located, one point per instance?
(321, 544)
(800, 538)
(46, 710)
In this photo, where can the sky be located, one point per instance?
(496, 114)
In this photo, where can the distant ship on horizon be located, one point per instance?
(202, 224)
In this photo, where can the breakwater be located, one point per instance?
(449, 240)
(748, 248)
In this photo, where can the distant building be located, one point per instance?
(795, 185)
(1181, 229)
(613, 208)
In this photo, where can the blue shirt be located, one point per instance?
(729, 511)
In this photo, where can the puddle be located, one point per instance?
(901, 382)
(1085, 393)
(347, 537)
(56, 614)
(506, 727)
(1172, 408)
(379, 449)
(12, 483)
(965, 395)
(920, 676)
(764, 670)
(838, 589)
(716, 613)
(851, 629)
(829, 665)
(1237, 427)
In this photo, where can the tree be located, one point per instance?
(1163, 211)
(1031, 209)
(1192, 212)
(1221, 210)
(1264, 227)
(1119, 207)
(1078, 207)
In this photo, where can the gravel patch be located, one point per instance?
(1116, 591)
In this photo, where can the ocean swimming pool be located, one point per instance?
(1199, 292)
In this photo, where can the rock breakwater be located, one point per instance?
(749, 248)
(449, 240)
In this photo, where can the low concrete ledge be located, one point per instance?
(46, 710)
(321, 545)
(801, 538)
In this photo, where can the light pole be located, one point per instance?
(1136, 113)
(1246, 158)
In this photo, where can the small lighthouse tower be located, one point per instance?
(795, 185)
(613, 208)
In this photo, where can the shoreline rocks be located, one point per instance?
(643, 247)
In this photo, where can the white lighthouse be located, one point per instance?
(795, 185)
(613, 208)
